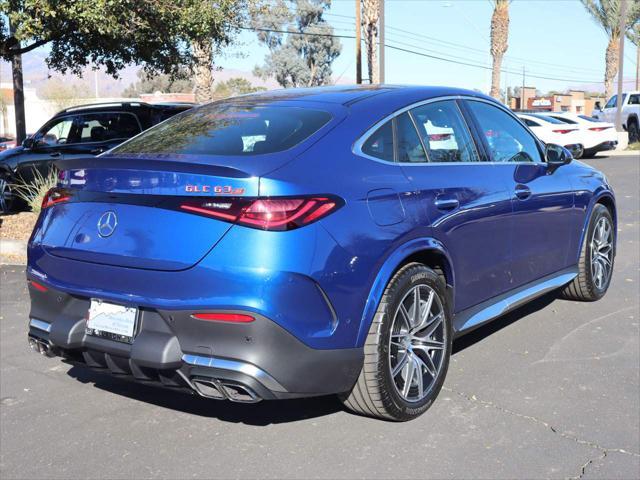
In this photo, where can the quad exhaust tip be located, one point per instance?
(42, 347)
(223, 390)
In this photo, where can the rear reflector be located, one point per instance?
(54, 196)
(38, 286)
(564, 130)
(598, 129)
(276, 213)
(224, 317)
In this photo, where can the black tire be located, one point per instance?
(634, 134)
(589, 153)
(584, 287)
(7, 200)
(375, 394)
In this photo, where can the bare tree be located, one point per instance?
(499, 42)
(606, 13)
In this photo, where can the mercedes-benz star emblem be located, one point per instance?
(107, 223)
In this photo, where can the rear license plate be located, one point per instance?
(111, 321)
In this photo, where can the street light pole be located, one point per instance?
(381, 63)
(622, 27)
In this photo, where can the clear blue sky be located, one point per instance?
(551, 38)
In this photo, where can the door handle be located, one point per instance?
(523, 192)
(97, 151)
(446, 203)
(55, 154)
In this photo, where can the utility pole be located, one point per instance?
(18, 91)
(358, 43)
(522, 105)
(381, 41)
(622, 28)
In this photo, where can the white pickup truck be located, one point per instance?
(630, 113)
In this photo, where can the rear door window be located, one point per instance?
(444, 133)
(105, 127)
(410, 148)
(229, 129)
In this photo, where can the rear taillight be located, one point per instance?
(55, 196)
(598, 129)
(564, 130)
(266, 213)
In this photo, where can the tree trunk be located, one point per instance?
(499, 43)
(611, 68)
(18, 94)
(203, 75)
(370, 14)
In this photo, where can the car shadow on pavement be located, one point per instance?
(501, 322)
(269, 412)
(257, 414)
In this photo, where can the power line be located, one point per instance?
(422, 54)
(484, 52)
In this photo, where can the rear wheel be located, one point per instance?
(634, 134)
(407, 349)
(596, 259)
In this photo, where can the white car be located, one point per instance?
(550, 130)
(595, 135)
(630, 113)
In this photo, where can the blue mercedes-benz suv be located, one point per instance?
(311, 242)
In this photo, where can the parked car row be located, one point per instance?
(81, 131)
(584, 136)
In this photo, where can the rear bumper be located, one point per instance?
(241, 362)
(603, 147)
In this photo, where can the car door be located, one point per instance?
(542, 224)
(465, 202)
(45, 147)
(101, 131)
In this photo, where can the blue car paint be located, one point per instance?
(322, 282)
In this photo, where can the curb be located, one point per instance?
(13, 247)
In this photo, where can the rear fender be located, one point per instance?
(388, 269)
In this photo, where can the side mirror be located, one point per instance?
(556, 156)
(28, 143)
(598, 106)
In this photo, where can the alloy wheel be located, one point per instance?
(417, 343)
(601, 253)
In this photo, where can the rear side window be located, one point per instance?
(229, 129)
(507, 139)
(380, 143)
(444, 133)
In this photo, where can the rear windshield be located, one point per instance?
(228, 129)
(545, 118)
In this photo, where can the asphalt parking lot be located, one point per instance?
(549, 391)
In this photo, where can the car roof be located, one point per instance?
(350, 94)
(126, 106)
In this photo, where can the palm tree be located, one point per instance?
(499, 39)
(606, 13)
(203, 51)
(370, 14)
